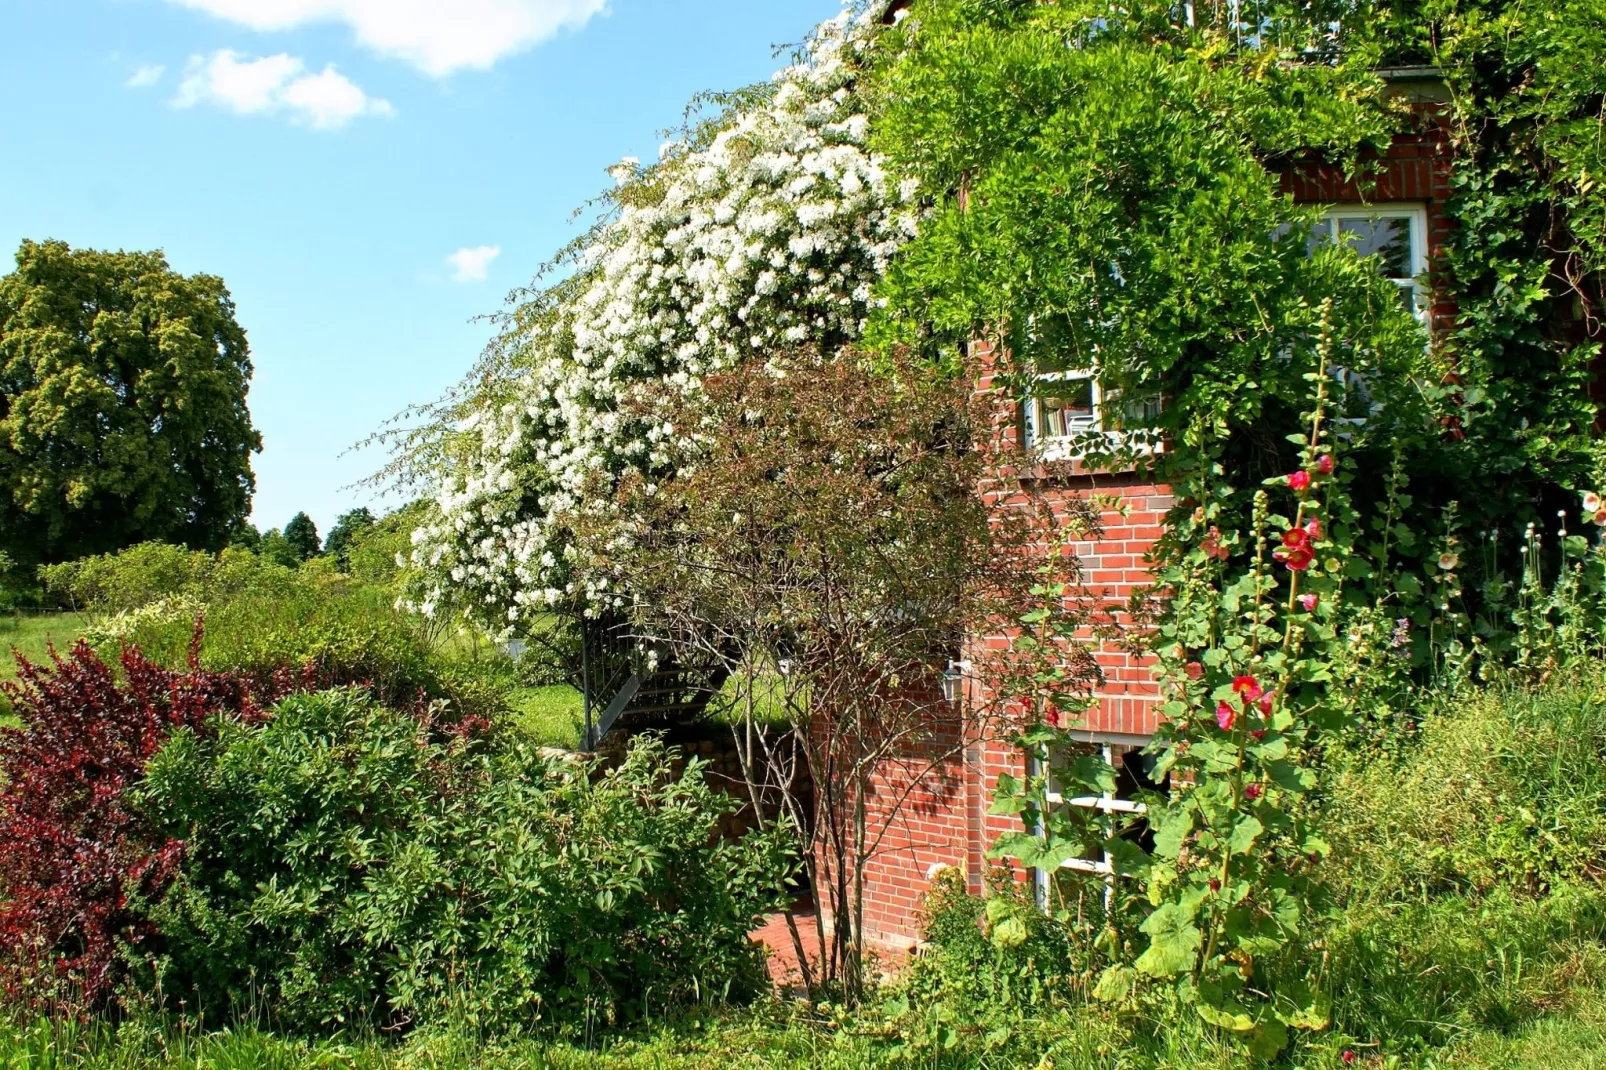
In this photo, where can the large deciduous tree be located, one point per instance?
(123, 411)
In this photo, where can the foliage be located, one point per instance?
(77, 854)
(377, 554)
(1496, 789)
(263, 618)
(822, 520)
(764, 227)
(301, 534)
(348, 526)
(122, 405)
(107, 584)
(274, 547)
(345, 864)
(1526, 255)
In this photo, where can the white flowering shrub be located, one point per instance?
(766, 231)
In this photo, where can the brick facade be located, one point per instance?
(946, 823)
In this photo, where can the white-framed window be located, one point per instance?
(1115, 810)
(1063, 408)
(1396, 234)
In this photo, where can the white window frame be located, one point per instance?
(1421, 298)
(1107, 803)
(1064, 447)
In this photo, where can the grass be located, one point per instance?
(32, 636)
(552, 716)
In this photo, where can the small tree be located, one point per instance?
(824, 540)
(347, 527)
(276, 548)
(302, 535)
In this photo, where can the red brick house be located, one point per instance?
(1400, 217)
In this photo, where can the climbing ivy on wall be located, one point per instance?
(1104, 196)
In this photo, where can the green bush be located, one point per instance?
(108, 584)
(1500, 788)
(345, 864)
(262, 618)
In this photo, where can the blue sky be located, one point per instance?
(330, 199)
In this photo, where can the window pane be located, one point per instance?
(1386, 237)
(1122, 412)
(1064, 407)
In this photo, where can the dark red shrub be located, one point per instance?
(74, 854)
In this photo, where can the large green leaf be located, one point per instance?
(1174, 942)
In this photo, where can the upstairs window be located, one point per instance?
(1396, 235)
(1066, 407)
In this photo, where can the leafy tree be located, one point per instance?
(347, 526)
(122, 405)
(276, 548)
(246, 537)
(302, 535)
(823, 543)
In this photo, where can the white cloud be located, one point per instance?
(147, 75)
(471, 265)
(437, 36)
(276, 85)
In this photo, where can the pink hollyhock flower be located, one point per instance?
(1592, 502)
(1247, 687)
(1212, 544)
(1194, 670)
(1299, 480)
(1226, 716)
(1310, 602)
(1251, 792)
(1324, 464)
(1600, 517)
(1265, 704)
(1313, 528)
(1258, 733)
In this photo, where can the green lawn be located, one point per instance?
(550, 716)
(32, 637)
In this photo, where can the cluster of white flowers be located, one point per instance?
(770, 235)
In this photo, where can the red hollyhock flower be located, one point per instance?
(1297, 559)
(1324, 464)
(1299, 480)
(1296, 539)
(1258, 733)
(1247, 687)
(1251, 792)
(1348, 1057)
(1226, 716)
(1265, 704)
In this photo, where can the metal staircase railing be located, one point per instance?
(627, 679)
